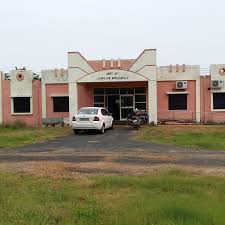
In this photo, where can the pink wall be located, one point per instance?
(32, 120)
(55, 90)
(207, 115)
(85, 91)
(162, 101)
(85, 98)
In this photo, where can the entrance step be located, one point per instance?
(119, 122)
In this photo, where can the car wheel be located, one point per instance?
(76, 131)
(102, 131)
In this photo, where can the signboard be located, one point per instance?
(112, 76)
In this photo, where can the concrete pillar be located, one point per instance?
(198, 100)
(152, 101)
(73, 99)
(43, 96)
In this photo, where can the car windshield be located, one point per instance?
(87, 111)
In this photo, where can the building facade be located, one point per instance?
(168, 93)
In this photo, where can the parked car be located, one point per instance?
(92, 118)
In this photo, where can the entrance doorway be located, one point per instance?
(114, 106)
(126, 105)
(120, 101)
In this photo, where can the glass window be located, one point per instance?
(98, 105)
(126, 91)
(218, 100)
(104, 112)
(140, 106)
(140, 98)
(125, 112)
(61, 104)
(177, 102)
(21, 105)
(99, 98)
(87, 111)
(99, 91)
(127, 101)
(141, 90)
(112, 91)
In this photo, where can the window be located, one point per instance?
(140, 98)
(99, 91)
(61, 104)
(104, 112)
(126, 91)
(141, 90)
(99, 99)
(218, 100)
(112, 91)
(99, 105)
(140, 106)
(178, 102)
(21, 105)
(87, 111)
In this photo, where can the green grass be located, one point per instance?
(163, 198)
(205, 136)
(15, 136)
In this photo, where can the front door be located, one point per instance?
(114, 106)
(126, 105)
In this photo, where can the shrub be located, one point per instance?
(15, 125)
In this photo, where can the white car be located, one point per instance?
(92, 118)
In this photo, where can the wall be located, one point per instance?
(1, 76)
(33, 119)
(52, 77)
(142, 69)
(55, 90)
(207, 112)
(163, 113)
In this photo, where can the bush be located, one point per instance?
(152, 124)
(15, 125)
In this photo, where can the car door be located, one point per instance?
(106, 118)
(110, 118)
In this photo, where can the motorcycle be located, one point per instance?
(137, 118)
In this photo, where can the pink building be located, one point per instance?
(168, 93)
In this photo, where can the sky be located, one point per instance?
(38, 34)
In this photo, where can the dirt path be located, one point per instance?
(112, 153)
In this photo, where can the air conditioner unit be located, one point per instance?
(181, 85)
(217, 84)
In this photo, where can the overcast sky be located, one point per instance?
(39, 33)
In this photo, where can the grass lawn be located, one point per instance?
(163, 198)
(200, 136)
(13, 137)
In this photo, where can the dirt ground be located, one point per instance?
(114, 153)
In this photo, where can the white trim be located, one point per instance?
(59, 95)
(21, 96)
(1, 96)
(177, 93)
(28, 113)
(73, 100)
(21, 114)
(216, 110)
(43, 96)
(198, 100)
(152, 101)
